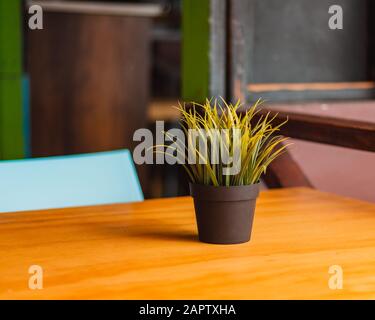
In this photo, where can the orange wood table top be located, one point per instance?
(149, 250)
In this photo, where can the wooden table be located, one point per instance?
(149, 250)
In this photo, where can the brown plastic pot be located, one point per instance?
(224, 214)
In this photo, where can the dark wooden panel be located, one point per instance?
(335, 131)
(312, 95)
(311, 91)
(89, 82)
(166, 64)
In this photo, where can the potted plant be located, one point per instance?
(225, 169)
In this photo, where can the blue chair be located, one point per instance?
(66, 181)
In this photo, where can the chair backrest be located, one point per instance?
(65, 181)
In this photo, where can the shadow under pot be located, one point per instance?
(224, 215)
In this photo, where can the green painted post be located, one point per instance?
(11, 121)
(195, 49)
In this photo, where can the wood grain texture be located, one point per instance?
(89, 82)
(149, 250)
(261, 87)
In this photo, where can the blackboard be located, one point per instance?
(290, 41)
(293, 42)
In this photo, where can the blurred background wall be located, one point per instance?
(89, 79)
